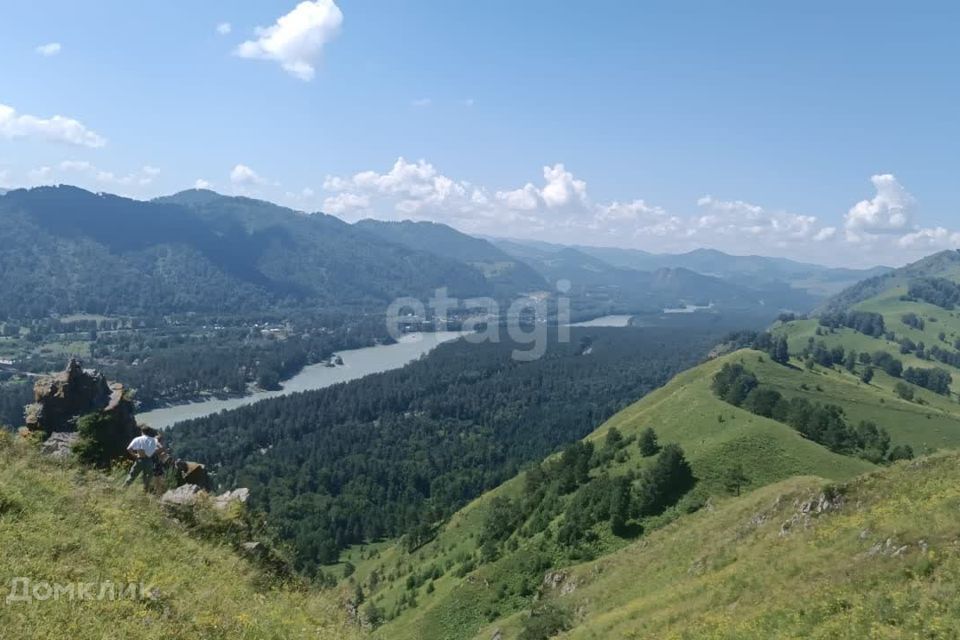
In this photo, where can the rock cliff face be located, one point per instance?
(58, 400)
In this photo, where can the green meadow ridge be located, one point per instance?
(797, 526)
(873, 557)
(64, 525)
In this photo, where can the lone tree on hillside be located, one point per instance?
(734, 479)
(666, 481)
(850, 362)
(779, 350)
(648, 443)
(904, 391)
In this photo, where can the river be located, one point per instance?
(689, 308)
(356, 364)
(605, 321)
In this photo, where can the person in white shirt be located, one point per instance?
(143, 448)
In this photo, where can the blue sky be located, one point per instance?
(819, 130)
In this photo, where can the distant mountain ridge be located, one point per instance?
(653, 287)
(67, 250)
(507, 274)
(752, 270)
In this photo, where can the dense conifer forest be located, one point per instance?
(394, 453)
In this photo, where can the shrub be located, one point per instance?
(904, 391)
(648, 442)
(103, 440)
(546, 620)
(901, 452)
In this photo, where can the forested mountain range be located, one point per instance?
(628, 288)
(198, 251)
(132, 286)
(749, 269)
(508, 275)
(66, 250)
(758, 272)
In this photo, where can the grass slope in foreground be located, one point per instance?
(63, 525)
(463, 600)
(875, 557)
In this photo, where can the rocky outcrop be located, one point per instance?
(559, 581)
(830, 500)
(187, 495)
(59, 445)
(224, 500)
(254, 549)
(58, 400)
(183, 496)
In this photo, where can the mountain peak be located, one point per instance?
(191, 197)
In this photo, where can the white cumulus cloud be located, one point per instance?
(202, 184)
(526, 198)
(297, 39)
(224, 28)
(561, 191)
(889, 211)
(559, 208)
(55, 129)
(243, 176)
(640, 218)
(86, 174)
(346, 204)
(930, 239)
(50, 49)
(826, 233)
(739, 218)
(417, 190)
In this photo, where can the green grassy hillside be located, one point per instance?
(928, 423)
(457, 594)
(448, 589)
(944, 264)
(933, 328)
(875, 557)
(60, 525)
